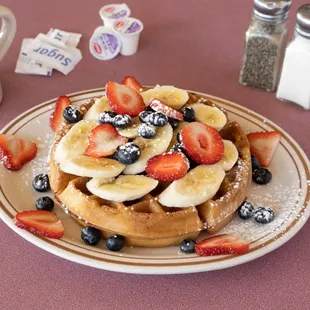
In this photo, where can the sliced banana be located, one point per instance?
(74, 143)
(101, 105)
(198, 186)
(169, 95)
(208, 115)
(132, 131)
(230, 155)
(150, 148)
(123, 188)
(87, 166)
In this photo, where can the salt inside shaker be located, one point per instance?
(295, 78)
(265, 42)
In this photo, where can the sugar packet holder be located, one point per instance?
(70, 39)
(54, 53)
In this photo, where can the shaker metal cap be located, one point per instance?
(272, 9)
(303, 20)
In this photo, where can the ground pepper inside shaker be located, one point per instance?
(264, 44)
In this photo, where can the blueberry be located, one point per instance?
(264, 215)
(146, 131)
(246, 210)
(255, 163)
(72, 114)
(127, 154)
(174, 123)
(41, 183)
(149, 109)
(178, 147)
(262, 176)
(189, 114)
(179, 137)
(107, 117)
(122, 121)
(45, 203)
(144, 116)
(115, 242)
(158, 119)
(91, 235)
(187, 246)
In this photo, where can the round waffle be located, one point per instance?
(145, 222)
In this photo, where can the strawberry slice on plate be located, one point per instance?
(167, 167)
(124, 100)
(202, 143)
(103, 140)
(15, 152)
(221, 244)
(159, 106)
(56, 118)
(40, 222)
(263, 145)
(131, 82)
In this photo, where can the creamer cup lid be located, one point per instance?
(128, 26)
(104, 43)
(115, 11)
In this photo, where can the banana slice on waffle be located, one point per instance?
(101, 105)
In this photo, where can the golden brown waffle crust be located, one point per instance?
(147, 223)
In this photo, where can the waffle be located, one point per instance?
(145, 222)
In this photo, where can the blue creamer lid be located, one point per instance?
(104, 43)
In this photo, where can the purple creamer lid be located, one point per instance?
(115, 11)
(128, 25)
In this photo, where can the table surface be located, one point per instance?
(195, 45)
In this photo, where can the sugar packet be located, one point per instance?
(68, 38)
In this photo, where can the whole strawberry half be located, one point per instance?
(159, 106)
(202, 143)
(15, 152)
(263, 145)
(222, 244)
(56, 117)
(103, 140)
(131, 82)
(124, 100)
(40, 222)
(167, 167)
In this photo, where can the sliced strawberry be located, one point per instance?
(202, 143)
(159, 106)
(221, 244)
(124, 100)
(167, 167)
(104, 140)
(131, 82)
(263, 145)
(56, 118)
(15, 152)
(40, 222)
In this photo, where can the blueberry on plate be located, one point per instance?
(72, 114)
(115, 243)
(45, 203)
(158, 119)
(91, 235)
(188, 246)
(146, 131)
(263, 215)
(255, 162)
(144, 116)
(246, 210)
(106, 117)
(189, 114)
(262, 176)
(174, 123)
(41, 183)
(127, 154)
(122, 121)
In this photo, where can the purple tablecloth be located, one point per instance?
(195, 45)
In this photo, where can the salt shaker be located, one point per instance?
(295, 78)
(265, 42)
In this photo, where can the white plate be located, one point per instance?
(288, 192)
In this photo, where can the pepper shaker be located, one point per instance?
(294, 83)
(265, 42)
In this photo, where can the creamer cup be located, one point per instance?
(112, 12)
(129, 30)
(104, 43)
